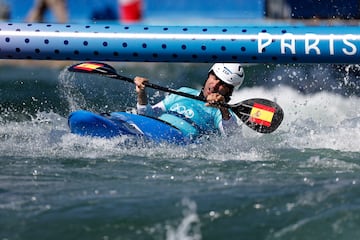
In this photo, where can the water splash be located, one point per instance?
(69, 91)
(320, 121)
(189, 228)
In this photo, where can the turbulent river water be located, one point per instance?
(300, 182)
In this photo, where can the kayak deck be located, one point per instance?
(109, 125)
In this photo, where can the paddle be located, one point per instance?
(259, 114)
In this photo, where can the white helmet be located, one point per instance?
(231, 73)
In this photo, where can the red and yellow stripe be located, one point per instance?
(89, 66)
(262, 114)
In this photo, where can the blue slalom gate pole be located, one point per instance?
(138, 43)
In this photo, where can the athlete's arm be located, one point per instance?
(226, 127)
(213, 100)
(140, 90)
(228, 121)
(143, 107)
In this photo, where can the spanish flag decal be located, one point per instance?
(262, 114)
(89, 66)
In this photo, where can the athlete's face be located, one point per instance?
(214, 85)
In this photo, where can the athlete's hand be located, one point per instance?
(214, 100)
(140, 89)
(140, 84)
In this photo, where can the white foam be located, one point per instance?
(321, 120)
(318, 121)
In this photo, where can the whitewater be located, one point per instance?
(300, 182)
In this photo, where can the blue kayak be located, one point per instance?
(117, 124)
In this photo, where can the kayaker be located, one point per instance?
(193, 117)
